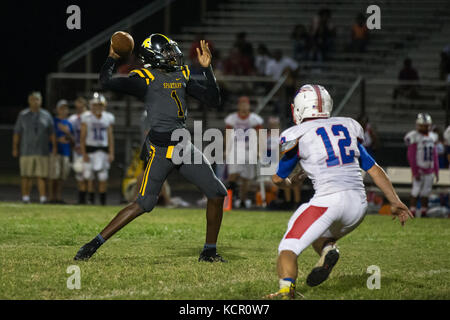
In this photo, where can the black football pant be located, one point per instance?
(159, 165)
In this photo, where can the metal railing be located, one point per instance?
(359, 82)
(104, 36)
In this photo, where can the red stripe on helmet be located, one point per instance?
(319, 97)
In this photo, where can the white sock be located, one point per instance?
(26, 198)
(43, 199)
(285, 283)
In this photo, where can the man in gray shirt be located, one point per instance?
(33, 133)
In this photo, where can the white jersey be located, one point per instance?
(75, 120)
(111, 117)
(425, 147)
(97, 129)
(234, 121)
(328, 152)
(241, 126)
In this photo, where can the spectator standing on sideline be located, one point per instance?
(440, 147)
(32, 132)
(75, 121)
(447, 144)
(239, 168)
(60, 162)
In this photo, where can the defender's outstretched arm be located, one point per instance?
(383, 182)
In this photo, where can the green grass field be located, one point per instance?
(155, 257)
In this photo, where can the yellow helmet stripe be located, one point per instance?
(160, 34)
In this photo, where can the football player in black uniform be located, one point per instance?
(163, 84)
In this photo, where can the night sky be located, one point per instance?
(35, 36)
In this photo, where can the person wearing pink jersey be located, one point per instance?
(423, 160)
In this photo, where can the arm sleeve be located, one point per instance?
(365, 159)
(134, 86)
(412, 150)
(208, 93)
(18, 125)
(287, 163)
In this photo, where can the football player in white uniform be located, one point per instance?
(238, 167)
(423, 160)
(75, 120)
(97, 146)
(331, 154)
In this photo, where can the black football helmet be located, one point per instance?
(160, 52)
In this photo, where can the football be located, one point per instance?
(122, 43)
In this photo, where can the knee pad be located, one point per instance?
(147, 202)
(216, 190)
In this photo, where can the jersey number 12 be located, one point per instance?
(345, 158)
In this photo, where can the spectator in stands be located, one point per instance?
(75, 121)
(370, 136)
(244, 46)
(280, 64)
(262, 59)
(239, 169)
(322, 34)
(360, 34)
(237, 64)
(60, 162)
(407, 73)
(33, 130)
(444, 65)
(131, 63)
(300, 42)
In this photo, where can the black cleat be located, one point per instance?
(210, 256)
(323, 268)
(85, 252)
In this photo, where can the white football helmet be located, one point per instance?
(97, 98)
(311, 101)
(424, 118)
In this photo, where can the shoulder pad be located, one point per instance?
(186, 72)
(143, 73)
(289, 139)
(410, 137)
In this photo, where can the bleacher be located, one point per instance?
(408, 28)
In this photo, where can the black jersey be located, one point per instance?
(163, 93)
